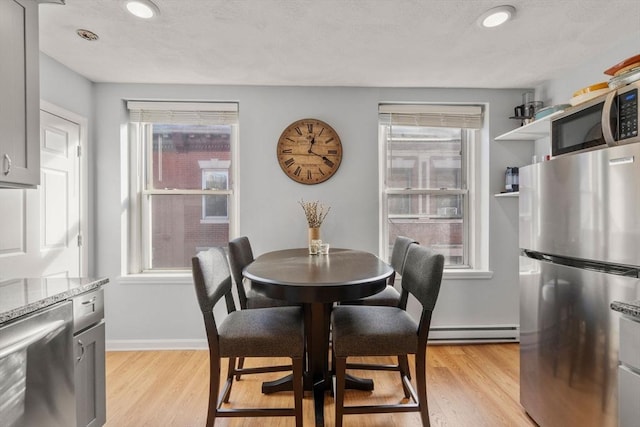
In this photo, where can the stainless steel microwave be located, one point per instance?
(610, 119)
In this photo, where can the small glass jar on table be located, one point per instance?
(314, 246)
(324, 249)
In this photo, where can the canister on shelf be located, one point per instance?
(511, 179)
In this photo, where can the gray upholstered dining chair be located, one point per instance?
(264, 332)
(386, 331)
(241, 255)
(390, 296)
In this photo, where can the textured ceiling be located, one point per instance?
(396, 43)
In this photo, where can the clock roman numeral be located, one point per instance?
(308, 174)
(299, 131)
(333, 151)
(289, 139)
(297, 171)
(287, 151)
(321, 130)
(310, 127)
(328, 163)
(289, 162)
(328, 140)
(320, 170)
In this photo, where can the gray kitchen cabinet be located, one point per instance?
(89, 343)
(19, 94)
(629, 373)
(90, 377)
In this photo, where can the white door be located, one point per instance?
(39, 228)
(59, 196)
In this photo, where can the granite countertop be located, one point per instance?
(630, 308)
(19, 297)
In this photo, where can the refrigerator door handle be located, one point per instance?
(536, 255)
(618, 270)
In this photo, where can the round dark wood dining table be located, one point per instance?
(317, 281)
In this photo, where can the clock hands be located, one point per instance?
(316, 154)
(324, 158)
(310, 151)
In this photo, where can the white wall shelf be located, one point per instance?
(530, 132)
(512, 194)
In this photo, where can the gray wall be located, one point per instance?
(270, 215)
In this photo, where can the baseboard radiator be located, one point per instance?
(474, 334)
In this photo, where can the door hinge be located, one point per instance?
(79, 240)
(79, 150)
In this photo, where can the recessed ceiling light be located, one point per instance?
(144, 9)
(496, 16)
(87, 35)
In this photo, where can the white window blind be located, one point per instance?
(186, 113)
(431, 115)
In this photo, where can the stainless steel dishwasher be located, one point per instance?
(36, 367)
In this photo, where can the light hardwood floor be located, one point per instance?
(468, 385)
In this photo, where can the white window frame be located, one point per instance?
(208, 219)
(476, 203)
(137, 238)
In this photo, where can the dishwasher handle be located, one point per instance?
(36, 335)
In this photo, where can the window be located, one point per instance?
(215, 208)
(183, 191)
(427, 177)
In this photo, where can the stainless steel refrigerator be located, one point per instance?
(580, 250)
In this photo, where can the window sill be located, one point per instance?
(177, 278)
(467, 274)
(214, 221)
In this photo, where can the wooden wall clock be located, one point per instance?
(309, 151)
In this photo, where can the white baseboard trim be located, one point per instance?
(474, 334)
(141, 345)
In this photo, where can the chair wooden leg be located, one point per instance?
(230, 374)
(298, 391)
(403, 363)
(340, 369)
(421, 386)
(240, 366)
(403, 367)
(214, 386)
(332, 371)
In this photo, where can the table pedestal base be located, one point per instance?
(285, 384)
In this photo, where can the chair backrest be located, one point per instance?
(399, 253)
(212, 282)
(240, 255)
(422, 275)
